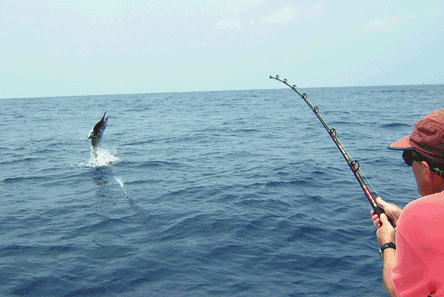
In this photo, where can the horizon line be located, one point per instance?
(231, 90)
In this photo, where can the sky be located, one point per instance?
(91, 47)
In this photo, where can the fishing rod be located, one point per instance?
(353, 164)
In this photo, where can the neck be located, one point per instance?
(436, 184)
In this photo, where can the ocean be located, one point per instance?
(228, 193)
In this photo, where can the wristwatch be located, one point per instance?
(389, 245)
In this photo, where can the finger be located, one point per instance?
(384, 220)
(376, 222)
(380, 201)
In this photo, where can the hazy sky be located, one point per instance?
(63, 48)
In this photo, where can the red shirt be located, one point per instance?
(419, 266)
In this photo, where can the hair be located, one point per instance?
(436, 168)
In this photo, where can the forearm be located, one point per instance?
(389, 257)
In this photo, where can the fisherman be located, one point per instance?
(412, 242)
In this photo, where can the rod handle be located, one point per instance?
(379, 209)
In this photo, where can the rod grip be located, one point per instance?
(378, 209)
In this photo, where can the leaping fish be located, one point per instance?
(97, 132)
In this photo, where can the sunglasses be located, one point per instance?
(410, 155)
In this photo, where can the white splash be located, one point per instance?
(101, 157)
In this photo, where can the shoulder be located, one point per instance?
(422, 216)
(431, 204)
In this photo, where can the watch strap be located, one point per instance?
(388, 245)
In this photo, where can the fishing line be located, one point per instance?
(353, 164)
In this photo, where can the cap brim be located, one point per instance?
(402, 144)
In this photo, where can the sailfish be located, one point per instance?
(97, 132)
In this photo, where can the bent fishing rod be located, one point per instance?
(353, 164)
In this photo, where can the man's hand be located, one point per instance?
(391, 210)
(385, 233)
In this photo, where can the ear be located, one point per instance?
(426, 171)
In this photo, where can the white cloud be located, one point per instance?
(436, 11)
(232, 8)
(376, 24)
(238, 6)
(382, 24)
(283, 16)
(228, 23)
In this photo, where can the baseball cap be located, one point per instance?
(427, 137)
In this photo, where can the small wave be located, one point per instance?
(15, 249)
(394, 125)
(43, 285)
(136, 143)
(13, 179)
(20, 179)
(24, 160)
(150, 164)
(245, 130)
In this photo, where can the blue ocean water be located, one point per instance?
(231, 193)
